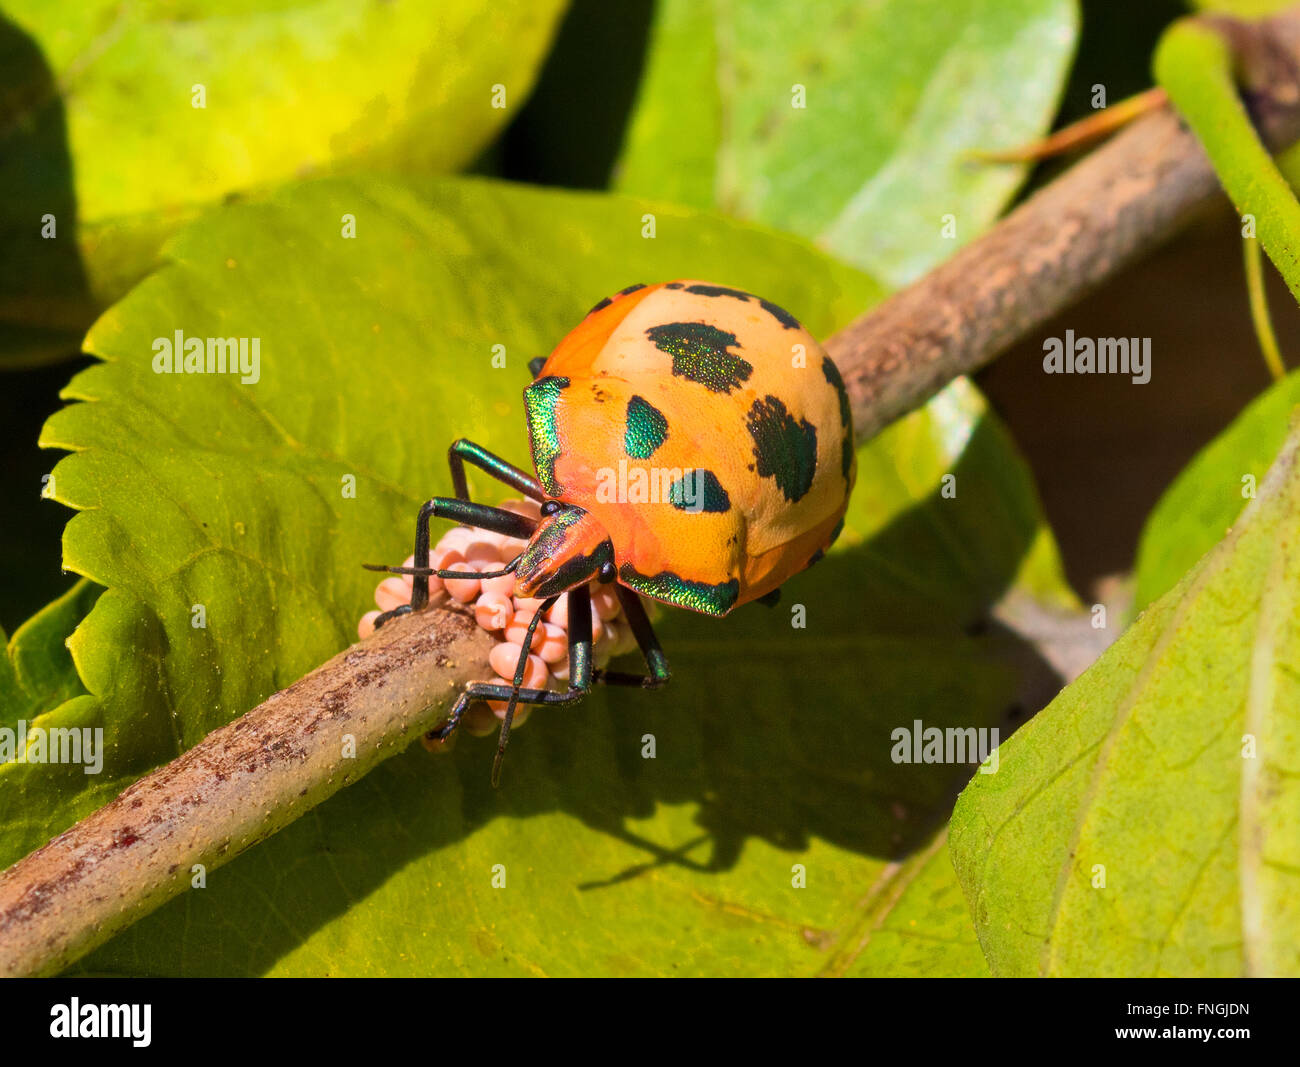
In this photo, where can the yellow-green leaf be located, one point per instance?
(120, 122)
(852, 124)
(1205, 499)
(1145, 824)
(773, 743)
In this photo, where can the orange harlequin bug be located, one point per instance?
(692, 442)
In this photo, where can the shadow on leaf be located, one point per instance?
(767, 732)
(45, 301)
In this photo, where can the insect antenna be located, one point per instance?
(508, 569)
(516, 684)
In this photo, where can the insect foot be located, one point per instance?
(506, 616)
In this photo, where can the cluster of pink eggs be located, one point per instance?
(506, 616)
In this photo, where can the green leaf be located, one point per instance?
(897, 95)
(773, 742)
(1195, 65)
(37, 674)
(1170, 771)
(98, 126)
(1242, 8)
(1207, 496)
(41, 690)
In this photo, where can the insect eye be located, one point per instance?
(608, 573)
(550, 507)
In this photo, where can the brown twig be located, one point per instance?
(1054, 248)
(247, 780)
(238, 786)
(1059, 244)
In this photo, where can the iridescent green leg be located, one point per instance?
(580, 672)
(464, 513)
(580, 675)
(646, 641)
(464, 451)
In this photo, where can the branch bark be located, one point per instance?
(247, 780)
(238, 786)
(1059, 244)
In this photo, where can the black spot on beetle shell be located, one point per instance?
(784, 448)
(707, 496)
(646, 428)
(832, 375)
(610, 299)
(718, 290)
(780, 314)
(701, 353)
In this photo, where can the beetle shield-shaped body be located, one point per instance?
(678, 418)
